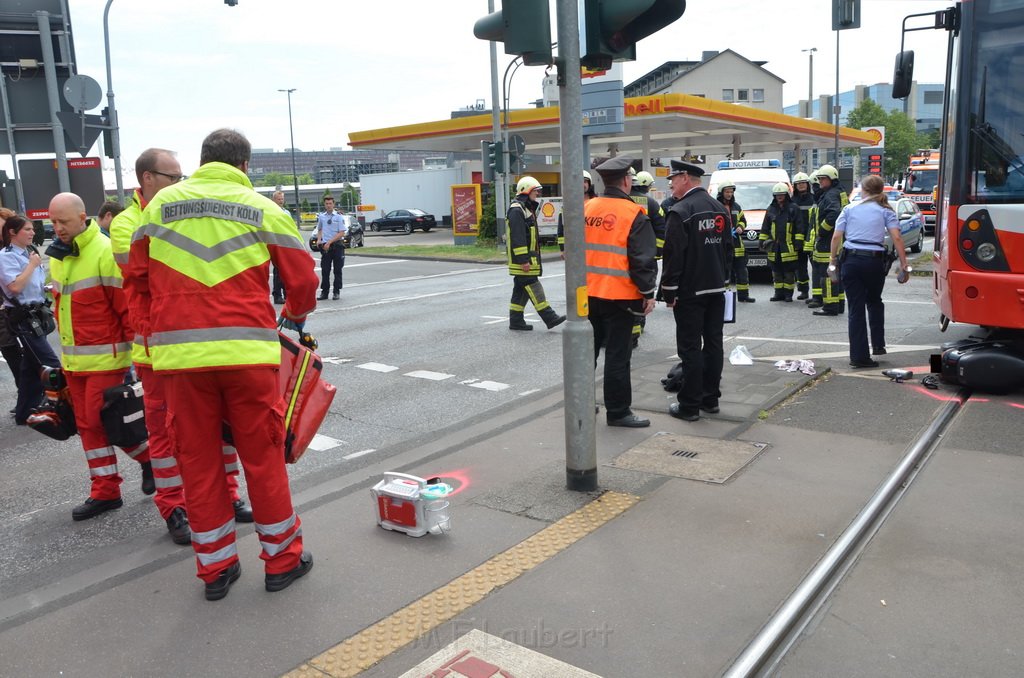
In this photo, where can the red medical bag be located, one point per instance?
(307, 397)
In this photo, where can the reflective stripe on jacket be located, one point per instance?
(92, 313)
(122, 228)
(608, 223)
(825, 213)
(199, 272)
(782, 227)
(522, 240)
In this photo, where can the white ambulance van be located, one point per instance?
(754, 180)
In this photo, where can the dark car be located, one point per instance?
(404, 220)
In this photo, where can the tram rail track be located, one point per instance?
(769, 647)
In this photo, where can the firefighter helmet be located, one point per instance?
(780, 188)
(644, 178)
(527, 184)
(586, 175)
(827, 171)
(728, 183)
(800, 176)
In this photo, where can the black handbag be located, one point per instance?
(124, 416)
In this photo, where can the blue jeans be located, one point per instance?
(863, 279)
(36, 353)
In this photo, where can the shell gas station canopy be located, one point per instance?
(656, 126)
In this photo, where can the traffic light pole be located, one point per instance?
(577, 337)
(500, 192)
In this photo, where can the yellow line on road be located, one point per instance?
(371, 645)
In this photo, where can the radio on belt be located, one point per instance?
(410, 504)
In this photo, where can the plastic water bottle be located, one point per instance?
(833, 273)
(903, 274)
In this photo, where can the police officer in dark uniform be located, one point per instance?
(698, 254)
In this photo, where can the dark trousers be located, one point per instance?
(740, 276)
(12, 355)
(331, 258)
(36, 352)
(699, 323)
(802, 281)
(784, 277)
(278, 287)
(863, 279)
(831, 294)
(613, 328)
(527, 289)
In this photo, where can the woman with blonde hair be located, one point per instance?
(858, 248)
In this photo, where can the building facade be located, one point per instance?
(923, 105)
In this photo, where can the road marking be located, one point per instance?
(528, 317)
(417, 297)
(413, 278)
(377, 263)
(322, 442)
(427, 374)
(494, 386)
(377, 367)
(360, 453)
(530, 392)
(337, 361)
(846, 354)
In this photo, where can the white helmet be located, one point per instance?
(780, 188)
(800, 176)
(644, 178)
(827, 171)
(728, 183)
(586, 175)
(527, 184)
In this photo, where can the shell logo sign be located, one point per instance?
(548, 210)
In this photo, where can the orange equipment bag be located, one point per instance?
(307, 397)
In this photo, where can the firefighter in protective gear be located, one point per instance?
(155, 169)
(782, 237)
(588, 193)
(621, 281)
(738, 226)
(804, 199)
(828, 296)
(96, 342)
(641, 184)
(522, 241)
(200, 269)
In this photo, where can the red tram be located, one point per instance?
(979, 234)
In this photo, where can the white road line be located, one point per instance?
(794, 341)
(337, 361)
(900, 348)
(427, 374)
(530, 392)
(447, 274)
(322, 442)
(493, 386)
(377, 367)
(338, 309)
(360, 453)
(377, 263)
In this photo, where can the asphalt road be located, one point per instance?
(414, 347)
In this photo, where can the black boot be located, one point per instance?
(148, 482)
(802, 295)
(516, 322)
(778, 296)
(551, 319)
(744, 297)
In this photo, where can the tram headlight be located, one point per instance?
(986, 251)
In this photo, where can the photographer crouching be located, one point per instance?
(26, 310)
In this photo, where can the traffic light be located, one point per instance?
(525, 28)
(611, 28)
(108, 133)
(491, 155)
(516, 154)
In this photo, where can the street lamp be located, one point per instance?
(115, 134)
(291, 133)
(810, 79)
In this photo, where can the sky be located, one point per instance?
(182, 68)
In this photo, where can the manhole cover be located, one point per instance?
(706, 459)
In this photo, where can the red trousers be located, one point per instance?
(250, 401)
(87, 399)
(169, 491)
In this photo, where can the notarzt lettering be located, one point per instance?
(218, 209)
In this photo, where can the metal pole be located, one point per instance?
(53, 97)
(10, 142)
(115, 130)
(500, 192)
(837, 107)
(291, 134)
(577, 337)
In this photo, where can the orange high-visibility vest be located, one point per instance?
(608, 222)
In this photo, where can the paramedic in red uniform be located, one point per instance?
(200, 266)
(155, 169)
(95, 343)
